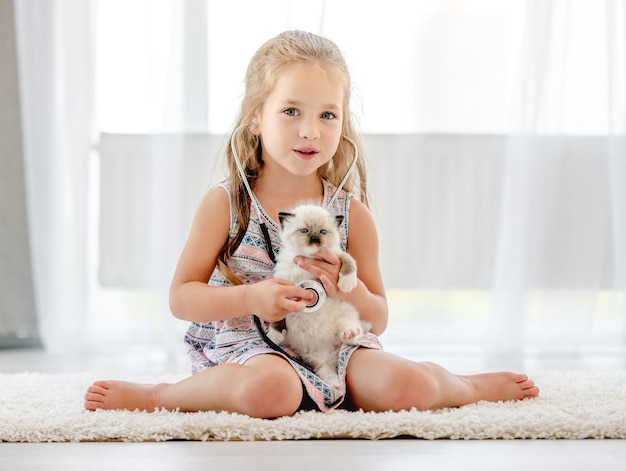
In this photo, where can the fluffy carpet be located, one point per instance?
(572, 405)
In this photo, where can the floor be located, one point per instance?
(395, 454)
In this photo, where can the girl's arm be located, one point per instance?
(369, 295)
(192, 299)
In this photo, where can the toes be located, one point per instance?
(94, 397)
(93, 401)
(526, 384)
(92, 394)
(531, 392)
(95, 392)
(96, 389)
(92, 406)
(520, 378)
(101, 384)
(528, 388)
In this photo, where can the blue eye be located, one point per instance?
(328, 115)
(323, 232)
(304, 230)
(291, 112)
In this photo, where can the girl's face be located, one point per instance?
(301, 120)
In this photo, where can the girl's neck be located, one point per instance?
(277, 196)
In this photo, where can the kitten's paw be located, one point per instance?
(332, 379)
(347, 283)
(329, 375)
(350, 335)
(275, 336)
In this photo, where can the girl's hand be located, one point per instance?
(325, 266)
(273, 299)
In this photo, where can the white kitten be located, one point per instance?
(317, 336)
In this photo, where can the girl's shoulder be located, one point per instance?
(215, 207)
(224, 186)
(218, 194)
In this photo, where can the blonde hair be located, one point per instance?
(268, 63)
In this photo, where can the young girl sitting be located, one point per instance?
(295, 141)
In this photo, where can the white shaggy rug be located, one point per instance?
(572, 405)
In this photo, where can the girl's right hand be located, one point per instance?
(273, 299)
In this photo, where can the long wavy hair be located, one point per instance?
(268, 63)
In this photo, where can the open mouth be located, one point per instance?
(306, 152)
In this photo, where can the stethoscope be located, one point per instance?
(314, 286)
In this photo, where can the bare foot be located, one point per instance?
(112, 395)
(504, 386)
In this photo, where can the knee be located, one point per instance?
(271, 394)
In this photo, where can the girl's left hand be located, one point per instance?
(325, 266)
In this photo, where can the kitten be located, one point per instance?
(317, 336)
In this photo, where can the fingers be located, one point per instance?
(281, 297)
(326, 256)
(323, 263)
(322, 258)
(297, 295)
(294, 305)
(329, 286)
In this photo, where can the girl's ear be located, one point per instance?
(338, 220)
(283, 216)
(254, 126)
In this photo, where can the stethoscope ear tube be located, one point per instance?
(347, 175)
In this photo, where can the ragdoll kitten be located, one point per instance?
(317, 336)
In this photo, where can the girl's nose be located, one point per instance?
(309, 129)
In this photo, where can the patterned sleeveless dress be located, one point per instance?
(237, 340)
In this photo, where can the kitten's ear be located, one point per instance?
(338, 220)
(282, 215)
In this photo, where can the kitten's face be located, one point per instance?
(309, 229)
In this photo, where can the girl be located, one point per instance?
(295, 141)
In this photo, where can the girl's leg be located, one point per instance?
(266, 387)
(380, 381)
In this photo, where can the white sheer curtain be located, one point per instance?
(56, 69)
(495, 132)
(559, 279)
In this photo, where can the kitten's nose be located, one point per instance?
(314, 239)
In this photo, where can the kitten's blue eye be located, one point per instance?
(304, 230)
(328, 115)
(323, 232)
(291, 112)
